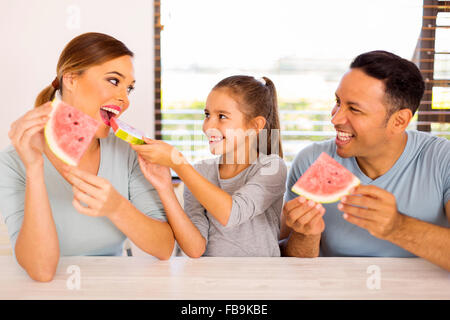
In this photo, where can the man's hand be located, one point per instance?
(373, 209)
(304, 216)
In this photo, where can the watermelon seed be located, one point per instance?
(70, 115)
(80, 139)
(76, 123)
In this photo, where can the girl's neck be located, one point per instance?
(229, 169)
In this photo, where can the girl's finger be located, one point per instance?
(307, 217)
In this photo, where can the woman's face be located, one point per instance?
(101, 91)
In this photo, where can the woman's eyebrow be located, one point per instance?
(115, 72)
(119, 74)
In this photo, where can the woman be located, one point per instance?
(52, 209)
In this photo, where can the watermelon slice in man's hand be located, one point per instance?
(69, 132)
(325, 181)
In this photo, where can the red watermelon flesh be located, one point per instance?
(69, 132)
(325, 181)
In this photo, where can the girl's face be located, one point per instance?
(225, 125)
(101, 91)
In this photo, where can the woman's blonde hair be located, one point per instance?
(85, 51)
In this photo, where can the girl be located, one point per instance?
(37, 190)
(232, 203)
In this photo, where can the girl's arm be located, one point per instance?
(186, 233)
(213, 199)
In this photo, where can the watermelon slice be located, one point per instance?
(69, 132)
(126, 132)
(325, 181)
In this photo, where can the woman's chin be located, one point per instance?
(103, 131)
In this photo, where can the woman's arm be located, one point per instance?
(102, 199)
(37, 246)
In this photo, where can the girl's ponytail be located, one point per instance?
(273, 120)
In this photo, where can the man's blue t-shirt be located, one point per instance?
(420, 181)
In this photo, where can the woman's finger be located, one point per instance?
(85, 198)
(85, 187)
(87, 177)
(82, 209)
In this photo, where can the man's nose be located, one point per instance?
(338, 115)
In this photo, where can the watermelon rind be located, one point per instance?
(128, 137)
(329, 198)
(51, 140)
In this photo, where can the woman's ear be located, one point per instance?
(69, 81)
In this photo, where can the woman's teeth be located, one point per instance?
(110, 110)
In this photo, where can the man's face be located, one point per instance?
(359, 116)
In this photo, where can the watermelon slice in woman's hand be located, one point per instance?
(69, 132)
(325, 181)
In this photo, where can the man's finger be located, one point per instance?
(362, 201)
(362, 213)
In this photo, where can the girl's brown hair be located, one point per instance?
(86, 50)
(257, 98)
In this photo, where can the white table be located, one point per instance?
(231, 278)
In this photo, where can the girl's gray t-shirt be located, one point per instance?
(254, 225)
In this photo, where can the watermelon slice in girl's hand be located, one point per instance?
(325, 181)
(69, 132)
(126, 132)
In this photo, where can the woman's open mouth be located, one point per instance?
(108, 112)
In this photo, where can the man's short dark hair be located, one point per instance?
(404, 85)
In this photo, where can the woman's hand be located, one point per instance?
(159, 176)
(101, 198)
(159, 152)
(27, 136)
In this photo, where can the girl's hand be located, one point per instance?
(101, 198)
(159, 152)
(159, 176)
(27, 135)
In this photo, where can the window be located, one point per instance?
(303, 46)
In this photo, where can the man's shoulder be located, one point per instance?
(427, 146)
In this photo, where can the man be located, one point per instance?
(402, 207)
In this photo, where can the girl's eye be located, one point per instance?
(222, 116)
(114, 81)
(206, 115)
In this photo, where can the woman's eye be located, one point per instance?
(114, 81)
(129, 89)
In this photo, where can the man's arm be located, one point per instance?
(376, 212)
(301, 228)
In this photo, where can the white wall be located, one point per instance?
(34, 32)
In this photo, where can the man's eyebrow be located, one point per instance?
(119, 74)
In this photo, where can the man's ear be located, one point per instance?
(401, 119)
(69, 81)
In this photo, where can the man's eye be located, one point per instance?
(354, 110)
